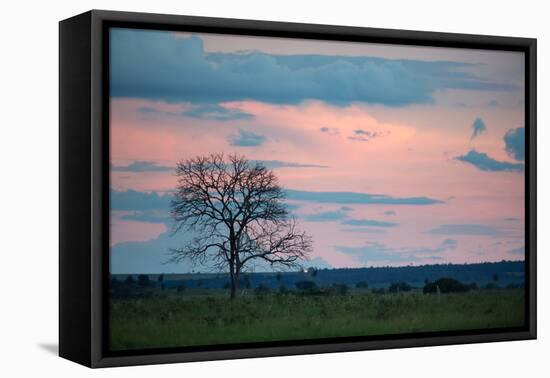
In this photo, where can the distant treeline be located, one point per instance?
(504, 274)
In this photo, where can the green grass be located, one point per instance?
(193, 319)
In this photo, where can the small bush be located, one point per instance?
(339, 289)
(397, 287)
(514, 286)
(245, 283)
(306, 285)
(362, 285)
(129, 280)
(262, 289)
(144, 281)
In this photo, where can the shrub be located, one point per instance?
(362, 285)
(144, 281)
(339, 289)
(446, 285)
(261, 289)
(312, 271)
(429, 288)
(306, 285)
(244, 282)
(397, 287)
(514, 286)
(129, 280)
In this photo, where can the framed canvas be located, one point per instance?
(235, 188)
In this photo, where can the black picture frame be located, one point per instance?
(84, 189)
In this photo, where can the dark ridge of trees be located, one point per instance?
(236, 210)
(511, 275)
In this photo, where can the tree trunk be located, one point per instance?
(234, 286)
(232, 268)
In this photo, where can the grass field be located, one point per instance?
(213, 319)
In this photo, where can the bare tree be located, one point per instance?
(235, 210)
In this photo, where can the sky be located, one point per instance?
(390, 155)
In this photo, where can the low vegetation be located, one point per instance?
(186, 317)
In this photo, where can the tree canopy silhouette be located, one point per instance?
(235, 210)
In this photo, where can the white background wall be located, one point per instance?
(29, 189)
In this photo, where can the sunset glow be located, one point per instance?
(431, 139)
